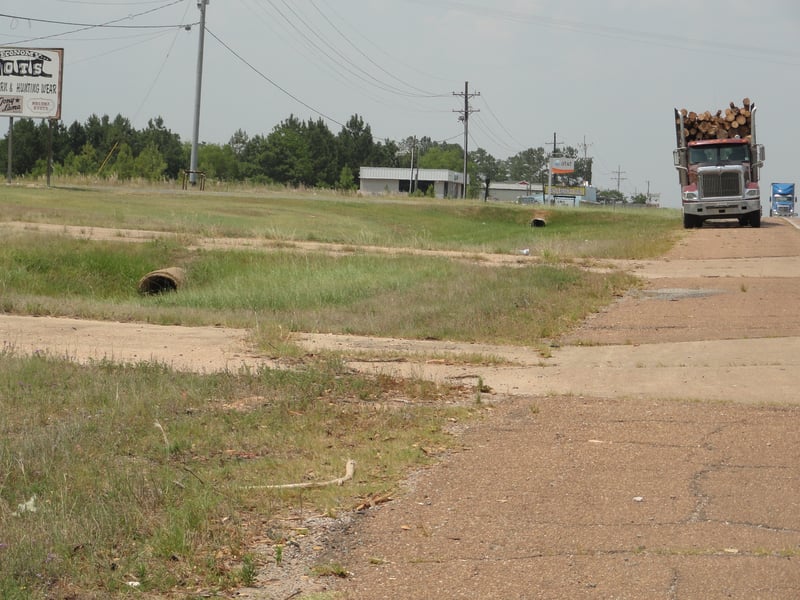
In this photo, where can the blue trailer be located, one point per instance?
(782, 201)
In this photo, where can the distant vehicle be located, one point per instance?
(782, 201)
(718, 163)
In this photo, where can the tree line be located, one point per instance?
(295, 153)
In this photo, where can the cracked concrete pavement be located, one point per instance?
(670, 471)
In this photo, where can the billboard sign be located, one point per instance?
(562, 165)
(30, 82)
(565, 190)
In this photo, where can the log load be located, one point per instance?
(733, 121)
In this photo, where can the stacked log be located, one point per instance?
(733, 121)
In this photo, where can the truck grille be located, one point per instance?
(720, 184)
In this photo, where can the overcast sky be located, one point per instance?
(603, 75)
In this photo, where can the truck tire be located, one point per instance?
(755, 219)
(690, 221)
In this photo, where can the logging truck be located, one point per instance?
(718, 163)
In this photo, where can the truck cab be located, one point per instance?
(782, 201)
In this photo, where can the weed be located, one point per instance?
(330, 569)
(247, 575)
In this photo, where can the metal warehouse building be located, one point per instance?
(389, 180)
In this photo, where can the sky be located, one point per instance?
(603, 76)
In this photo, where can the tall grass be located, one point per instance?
(368, 294)
(136, 473)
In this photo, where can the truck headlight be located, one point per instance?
(689, 196)
(752, 193)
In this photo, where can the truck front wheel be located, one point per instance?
(755, 219)
(690, 221)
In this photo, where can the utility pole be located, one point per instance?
(464, 117)
(411, 172)
(556, 144)
(550, 172)
(585, 147)
(201, 4)
(619, 173)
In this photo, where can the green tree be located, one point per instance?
(610, 197)
(323, 153)
(487, 169)
(168, 144)
(77, 137)
(85, 163)
(252, 158)
(286, 158)
(356, 146)
(150, 163)
(123, 166)
(346, 180)
(29, 145)
(238, 143)
(218, 162)
(442, 157)
(384, 154)
(529, 165)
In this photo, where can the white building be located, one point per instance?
(525, 192)
(390, 180)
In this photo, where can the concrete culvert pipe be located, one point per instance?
(162, 280)
(538, 222)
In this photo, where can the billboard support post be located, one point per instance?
(10, 148)
(49, 150)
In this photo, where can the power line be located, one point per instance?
(320, 50)
(380, 47)
(108, 24)
(507, 132)
(634, 35)
(423, 93)
(270, 81)
(89, 26)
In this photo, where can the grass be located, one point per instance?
(112, 475)
(366, 294)
(390, 222)
(143, 474)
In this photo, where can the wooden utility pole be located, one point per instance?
(556, 144)
(464, 117)
(585, 147)
(619, 173)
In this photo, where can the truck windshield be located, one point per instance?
(717, 154)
